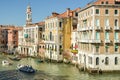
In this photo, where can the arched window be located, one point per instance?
(97, 61)
(50, 36)
(116, 60)
(116, 22)
(106, 60)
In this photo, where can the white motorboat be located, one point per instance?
(5, 62)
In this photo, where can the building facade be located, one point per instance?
(30, 36)
(99, 35)
(12, 39)
(58, 34)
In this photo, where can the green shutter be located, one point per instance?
(25, 35)
(116, 46)
(97, 46)
(106, 46)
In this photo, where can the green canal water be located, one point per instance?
(49, 71)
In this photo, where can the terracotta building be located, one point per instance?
(12, 38)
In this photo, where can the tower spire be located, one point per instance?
(28, 15)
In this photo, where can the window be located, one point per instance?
(106, 2)
(90, 60)
(102, 2)
(60, 24)
(97, 22)
(116, 48)
(106, 11)
(50, 36)
(97, 48)
(76, 14)
(116, 60)
(116, 22)
(97, 35)
(55, 48)
(106, 48)
(116, 36)
(39, 46)
(106, 60)
(107, 35)
(97, 61)
(97, 11)
(106, 22)
(116, 12)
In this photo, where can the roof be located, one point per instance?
(11, 27)
(34, 24)
(67, 13)
(100, 2)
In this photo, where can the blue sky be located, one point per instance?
(13, 12)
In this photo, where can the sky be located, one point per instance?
(13, 12)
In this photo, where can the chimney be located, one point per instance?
(54, 14)
(68, 11)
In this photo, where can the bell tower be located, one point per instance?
(28, 15)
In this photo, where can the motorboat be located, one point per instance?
(40, 60)
(26, 68)
(5, 62)
(15, 58)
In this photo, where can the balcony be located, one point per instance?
(107, 27)
(97, 28)
(116, 28)
(116, 41)
(107, 41)
(95, 41)
(51, 42)
(90, 28)
(83, 41)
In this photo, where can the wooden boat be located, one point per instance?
(26, 68)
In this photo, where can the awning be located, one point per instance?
(74, 51)
(76, 46)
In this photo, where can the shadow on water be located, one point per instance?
(39, 75)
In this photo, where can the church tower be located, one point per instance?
(28, 15)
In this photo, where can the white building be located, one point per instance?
(30, 36)
(99, 35)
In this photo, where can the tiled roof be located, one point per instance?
(64, 14)
(34, 24)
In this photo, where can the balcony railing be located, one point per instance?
(90, 41)
(116, 41)
(107, 41)
(84, 41)
(97, 28)
(107, 27)
(116, 28)
(90, 28)
(95, 41)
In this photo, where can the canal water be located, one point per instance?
(49, 71)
